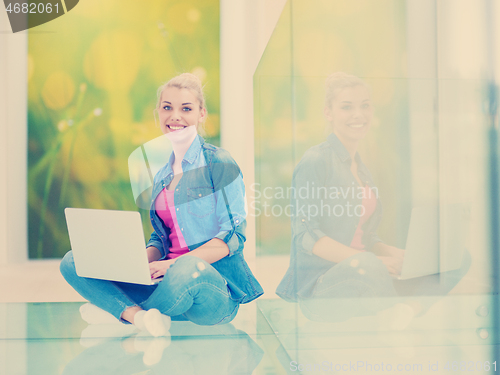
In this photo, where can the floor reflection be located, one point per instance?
(226, 350)
(455, 331)
(51, 338)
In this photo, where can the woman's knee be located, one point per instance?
(188, 274)
(360, 275)
(191, 269)
(223, 313)
(365, 263)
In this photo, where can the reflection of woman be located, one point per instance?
(335, 250)
(198, 217)
(233, 353)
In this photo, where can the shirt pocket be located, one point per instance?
(200, 201)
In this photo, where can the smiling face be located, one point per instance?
(178, 109)
(350, 113)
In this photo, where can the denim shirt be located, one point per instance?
(210, 203)
(327, 202)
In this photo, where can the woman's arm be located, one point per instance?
(329, 249)
(391, 256)
(210, 252)
(153, 254)
(383, 249)
(334, 251)
(156, 243)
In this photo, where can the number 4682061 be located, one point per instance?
(32, 8)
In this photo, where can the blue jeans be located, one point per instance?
(361, 286)
(185, 293)
(354, 287)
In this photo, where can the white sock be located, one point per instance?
(152, 321)
(95, 315)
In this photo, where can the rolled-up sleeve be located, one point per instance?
(230, 201)
(155, 241)
(234, 239)
(306, 218)
(370, 240)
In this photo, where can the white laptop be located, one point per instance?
(436, 240)
(109, 245)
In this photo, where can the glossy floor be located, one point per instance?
(268, 337)
(51, 338)
(453, 335)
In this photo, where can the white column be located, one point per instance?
(13, 137)
(246, 26)
(13, 131)
(422, 106)
(3, 134)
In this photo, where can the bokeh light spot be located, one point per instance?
(58, 90)
(113, 60)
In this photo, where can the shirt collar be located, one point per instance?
(191, 154)
(194, 150)
(340, 149)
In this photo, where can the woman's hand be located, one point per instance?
(391, 256)
(159, 268)
(382, 249)
(394, 252)
(393, 264)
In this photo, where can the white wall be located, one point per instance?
(246, 27)
(13, 135)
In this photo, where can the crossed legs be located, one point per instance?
(191, 288)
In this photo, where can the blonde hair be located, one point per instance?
(184, 81)
(338, 81)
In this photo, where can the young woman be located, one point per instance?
(198, 215)
(336, 252)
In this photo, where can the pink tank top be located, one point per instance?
(369, 203)
(165, 208)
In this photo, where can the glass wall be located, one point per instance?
(376, 192)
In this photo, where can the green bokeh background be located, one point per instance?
(93, 75)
